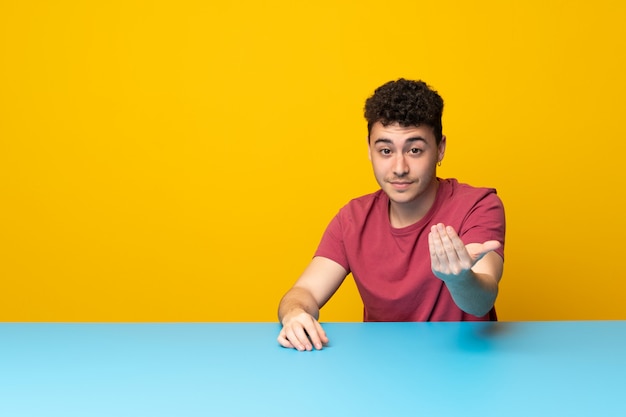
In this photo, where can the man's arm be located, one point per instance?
(299, 308)
(471, 272)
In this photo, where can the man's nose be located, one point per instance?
(400, 168)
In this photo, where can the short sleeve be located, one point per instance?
(485, 221)
(332, 244)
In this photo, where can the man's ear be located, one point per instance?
(441, 149)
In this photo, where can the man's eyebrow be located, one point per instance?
(409, 140)
(383, 140)
(416, 139)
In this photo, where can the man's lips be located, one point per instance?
(400, 185)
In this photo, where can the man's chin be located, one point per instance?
(401, 197)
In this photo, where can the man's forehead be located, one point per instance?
(395, 131)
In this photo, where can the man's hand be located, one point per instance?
(450, 257)
(302, 332)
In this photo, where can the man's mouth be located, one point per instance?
(400, 185)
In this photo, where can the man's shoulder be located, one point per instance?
(461, 197)
(359, 207)
(455, 189)
(367, 199)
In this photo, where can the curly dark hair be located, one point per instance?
(407, 102)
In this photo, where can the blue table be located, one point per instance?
(370, 369)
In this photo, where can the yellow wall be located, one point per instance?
(169, 161)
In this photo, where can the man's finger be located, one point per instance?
(478, 250)
(491, 245)
(322, 338)
(314, 334)
(284, 342)
(298, 338)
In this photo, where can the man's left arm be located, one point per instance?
(471, 272)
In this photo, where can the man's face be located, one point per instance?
(405, 160)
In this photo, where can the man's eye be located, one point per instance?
(415, 151)
(385, 151)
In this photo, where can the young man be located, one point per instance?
(421, 248)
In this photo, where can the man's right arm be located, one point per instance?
(299, 308)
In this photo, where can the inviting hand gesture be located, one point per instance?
(450, 257)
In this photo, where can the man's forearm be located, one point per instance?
(475, 294)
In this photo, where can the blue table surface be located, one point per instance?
(575, 368)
